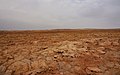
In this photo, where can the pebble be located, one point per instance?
(101, 52)
(8, 72)
(110, 64)
(94, 69)
(2, 68)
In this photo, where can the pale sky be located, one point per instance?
(59, 14)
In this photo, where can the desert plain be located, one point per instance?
(60, 52)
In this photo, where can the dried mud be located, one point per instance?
(60, 52)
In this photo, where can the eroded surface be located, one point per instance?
(60, 53)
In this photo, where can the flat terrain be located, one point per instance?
(60, 52)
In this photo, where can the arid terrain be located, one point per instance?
(60, 52)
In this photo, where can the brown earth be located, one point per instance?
(60, 52)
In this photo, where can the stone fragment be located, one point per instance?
(9, 72)
(117, 73)
(107, 73)
(55, 56)
(61, 73)
(49, 59)
(115, 43)
(2, 68)
(103, 68)
(77, 68)
(53, 65)
(72, 55)
(19, 67)
(65, 54)
(101, 48)
(94, 69)
(10, 57)
(96, 55)
(110, 64)
(106, 43)
(17, 58)
(42, 64)
(101, 52)
(117, 65)
(64, 66)
(35, 64)
(35, 42)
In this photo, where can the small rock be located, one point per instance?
(42, 64)
(117, 73)
(61, 73)
(67, 73)
(19, 67)
(103, 68)
(101, 48)
(96, 55)
(77, 68)
(83, 49)
(55, 56)
(2, 68)
(17, 58)
(8, 72)
(60, 51)
(35, 42)
(94, 69)
(35, 64)
(72, 55)
(101, 52)
(107, 73)
(87, 53)
(110, 64)
(65, 54)
(106, 43)
(115, 43)
(53, 65)
(10, 57)
(117, 65)
(49, 59)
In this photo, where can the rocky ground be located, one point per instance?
(60, 52)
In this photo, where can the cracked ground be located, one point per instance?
(60, 52)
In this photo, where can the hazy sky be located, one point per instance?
(50, 14)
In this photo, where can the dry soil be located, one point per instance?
(60, 52)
